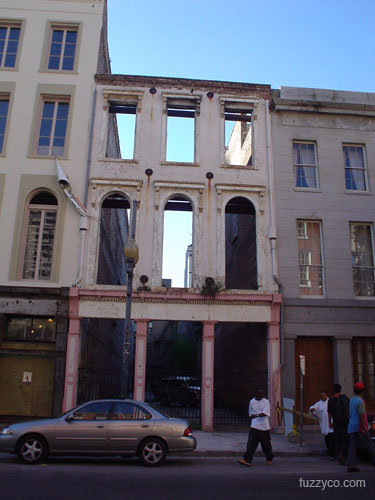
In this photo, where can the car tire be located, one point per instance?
(152, 452)
(32, 449)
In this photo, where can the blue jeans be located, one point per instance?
(354, 439)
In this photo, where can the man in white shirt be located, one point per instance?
(259, 413)
(319, 409)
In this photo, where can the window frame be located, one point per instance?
(5, 97)
(44, 98)
(25, 227)
(364, 169)
(33, 319)
(308, 251)
(307, 165)
(181, 101)
(64, 26)
(13, 23)
(371, 227)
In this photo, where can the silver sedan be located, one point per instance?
(103, 427)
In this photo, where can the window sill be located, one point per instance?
(307, 190)
(59, 71)
(320, 297)
(45, 157)
(364, 297)
(179, 164)
(118, 160)
(8, 69)
(366, 193)
(239, 167)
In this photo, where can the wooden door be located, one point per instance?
(319, 370)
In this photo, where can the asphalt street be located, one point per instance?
(182, 478)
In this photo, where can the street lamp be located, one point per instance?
(131, 252)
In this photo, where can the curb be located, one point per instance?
(223, 454)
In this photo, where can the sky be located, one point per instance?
(301, 43)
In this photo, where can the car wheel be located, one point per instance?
(152, 452)
(32, 449)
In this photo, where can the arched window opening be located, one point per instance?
(114, 228)
(39, 236)
(240, 245)
(177, 243)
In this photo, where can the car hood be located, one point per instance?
(34, 425)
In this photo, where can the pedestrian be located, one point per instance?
(259, 414)
(358, 428)
(319, 410)
(338, 417)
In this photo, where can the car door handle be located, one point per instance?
(100, 426)
(145, 425)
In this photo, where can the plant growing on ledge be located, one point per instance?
(210, 287)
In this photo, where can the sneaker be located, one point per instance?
(244, 462)
(353, 469)
(269, 462)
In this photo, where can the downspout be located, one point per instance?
(84, 222)
(272, 236)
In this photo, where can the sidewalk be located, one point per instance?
(230, 444)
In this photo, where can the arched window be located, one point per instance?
(114, 228)
(38, 242)
(240, 245)
(177, 243)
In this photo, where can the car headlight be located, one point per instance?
(7, 431)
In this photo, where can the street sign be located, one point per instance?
(302, 363)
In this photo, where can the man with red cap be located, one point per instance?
(358, 428)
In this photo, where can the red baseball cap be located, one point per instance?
(359, 386)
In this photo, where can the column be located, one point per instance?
(342, 364)
(72, 352)
(273, 338)
(207, 384)
(140, 359)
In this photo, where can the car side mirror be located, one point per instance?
(69, 418)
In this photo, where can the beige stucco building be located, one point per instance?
(50, 51)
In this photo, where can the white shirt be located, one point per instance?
(256, 407)
(320, 409)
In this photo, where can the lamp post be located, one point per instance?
(131, 252)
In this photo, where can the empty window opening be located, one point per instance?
(121, 131)
(178, 218)
(114, 228)
(181, 131)
(39, 237)
(240, 245)
(238, 136)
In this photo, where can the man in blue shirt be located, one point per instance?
(358, 428)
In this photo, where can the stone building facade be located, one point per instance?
(324, 157)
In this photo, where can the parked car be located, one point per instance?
(103, 427)
(178, 389)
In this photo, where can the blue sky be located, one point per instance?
(302, 43)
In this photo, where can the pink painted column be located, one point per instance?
(72, 352)
(140, 359)
(273, 338)
(208, 343)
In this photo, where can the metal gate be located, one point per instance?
(98, 383)
(228, 414)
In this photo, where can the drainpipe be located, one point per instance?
(84, 222)
(272, 236)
